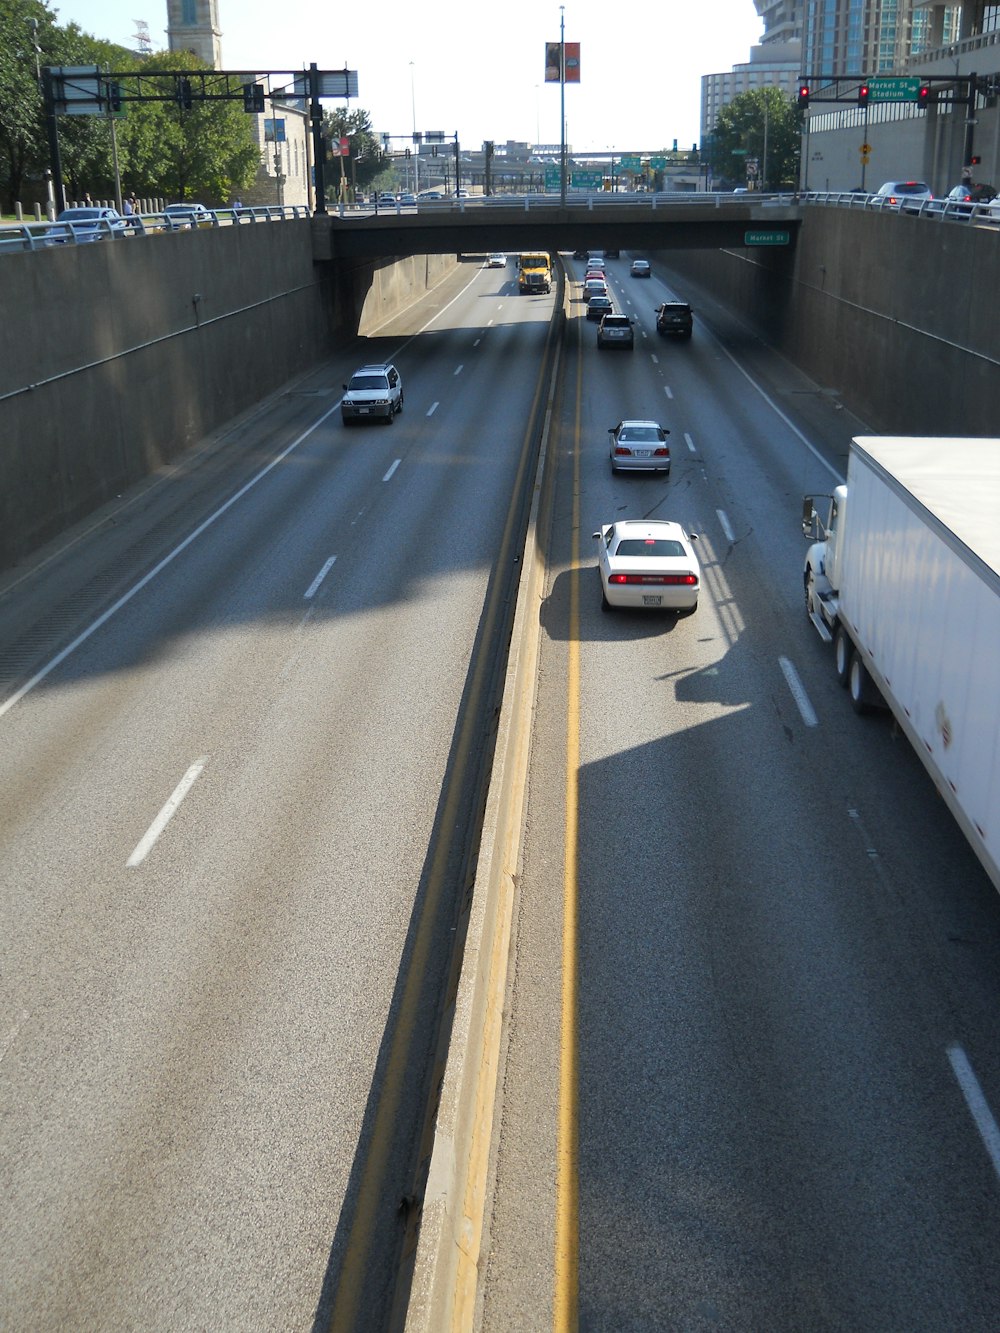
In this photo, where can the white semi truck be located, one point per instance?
(903, 576)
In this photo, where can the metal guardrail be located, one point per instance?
(592, 201)
(19, 236)
(942, 210)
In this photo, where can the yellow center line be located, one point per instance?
(566, 1299)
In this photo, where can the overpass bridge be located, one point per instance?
(601, 221)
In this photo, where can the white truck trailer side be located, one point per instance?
(903, 575)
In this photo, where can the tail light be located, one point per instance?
(662, 580)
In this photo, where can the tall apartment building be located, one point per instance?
(843, 37)
(775, 63)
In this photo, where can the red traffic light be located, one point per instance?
(923, 94)
(862, 94)
(803, 94)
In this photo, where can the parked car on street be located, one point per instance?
(181, 217)
(647, 564)
(82, 224)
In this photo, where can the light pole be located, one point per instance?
(416, 145)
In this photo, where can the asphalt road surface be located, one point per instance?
(753, 1057)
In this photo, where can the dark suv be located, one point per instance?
(674, 317)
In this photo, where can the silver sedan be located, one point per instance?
(639, 446)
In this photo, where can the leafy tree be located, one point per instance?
(743, 124)
(367, 160)
(207, 152)
(24, 26)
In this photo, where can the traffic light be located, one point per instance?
(184, 94)
(114, 97)
(253, 98)
(803, 94)
(923, 94)
(862, 94)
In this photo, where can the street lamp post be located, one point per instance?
(416, 146)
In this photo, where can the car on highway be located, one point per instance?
(407, 200)
(594, 287)
(497, 261)
(647, 564)
(181, 217)
(616, 330)
(374, 391)
(84, 224)
(674, 319)
(430, 194)
(962, 200)
(902, 194)
(386, 200)
(639, 446)
(595, 261)
(641, 269)
(598, 306)
(462, 194)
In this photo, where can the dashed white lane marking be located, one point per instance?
(432, 409)
(313, 587)
(668, 391)
(458, 370)
(798, 692)
(392, 469)
(654, 358)
(725, 524)
(689, 442)
(977, 1104)
(167, 813)
(477, 342)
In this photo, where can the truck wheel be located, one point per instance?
(842, 649)
(859, 685)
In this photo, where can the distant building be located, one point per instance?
(193, 25)
(843, 37)
(775, 63)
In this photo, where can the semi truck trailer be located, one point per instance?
(902, 576)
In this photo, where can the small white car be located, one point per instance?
(647, 564)
(904, 195)
(497, 261)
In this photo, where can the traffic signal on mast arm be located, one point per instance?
(803, 94)
(253, 97)
(862, 94)
(923, 94)
(184, 94)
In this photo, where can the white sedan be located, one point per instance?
(648, 563)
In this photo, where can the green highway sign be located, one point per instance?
(893, 89)
(586, 180)
(765, 238)
(657, 163)
(631, 164)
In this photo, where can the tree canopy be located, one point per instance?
(761, 126)
(208, 151)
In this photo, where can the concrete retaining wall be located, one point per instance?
(895, 313)
(116, 357)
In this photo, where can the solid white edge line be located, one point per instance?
(167, 813)
(798, 692)
(125, 598)
(311, 590)
(724, 523)
(977, 1104)
(392, 469)
(773, 405)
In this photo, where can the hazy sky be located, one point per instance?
(479, 69)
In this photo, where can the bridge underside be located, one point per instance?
(488, 228)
